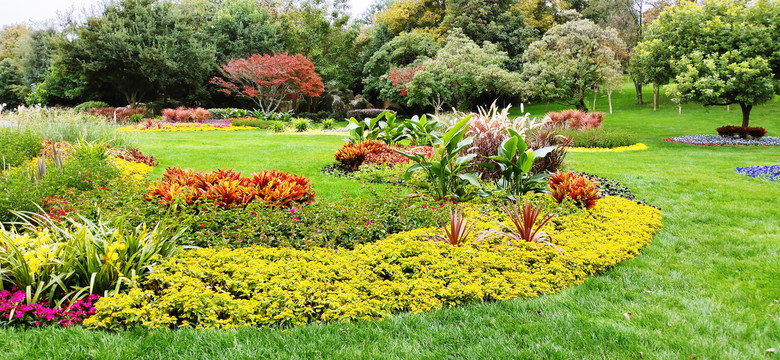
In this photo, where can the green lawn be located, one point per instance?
(708, 285)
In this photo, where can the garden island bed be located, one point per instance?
(717, 140)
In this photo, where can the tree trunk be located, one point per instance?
(655, 96)
(609, 99)
(595, 93)
(581, 105)
(638, 88)
(745, 113)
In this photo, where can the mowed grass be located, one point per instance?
(706, 288)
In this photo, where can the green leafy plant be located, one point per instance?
(301, 124)
(600, 138)
(448, 171)
(362, 130)
(328, 124)
(59, 261)
(420, 129)
(136, 118)
(236, 113)
(277, 126)
(514, 160)
(524, 224)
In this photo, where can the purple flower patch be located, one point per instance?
(768, 172)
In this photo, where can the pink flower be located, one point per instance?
(316, 230)
(292, 210)
(202, 225)
(295, 218)
(368, 222)
(103, 188)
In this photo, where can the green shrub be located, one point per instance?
(17, 193)
(83, 107)
(277, 126)
(261, 124)
(328, 124)
(219, 114)
(601, 138)
(17, 145)
(136, 118)
(301, 124)
(344, 223)
(88, 169)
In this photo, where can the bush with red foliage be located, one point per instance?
(353, 155)
(227, 189)
(269, 79)
(120, 114)
(577, 120)
(741, 131)
(580, 189)
(181, 114)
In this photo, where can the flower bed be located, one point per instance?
(717, 140)
(155, 126)
(263, 286)
(768, 172)
(638, 146)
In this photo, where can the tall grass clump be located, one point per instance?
(67, 125)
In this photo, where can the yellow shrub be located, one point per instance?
(261, 286)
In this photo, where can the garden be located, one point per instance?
(274, 215)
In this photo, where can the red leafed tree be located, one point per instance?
(269, 79)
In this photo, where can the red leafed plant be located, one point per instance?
(352, 156)
(226, 188)
(182, 113)
(457, 231)
(269, 79)
(399, 77)
(135, 155)
(525, 226)
(580, 189)
(573, 120)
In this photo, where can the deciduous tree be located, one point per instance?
(269, 79)
(570, 59)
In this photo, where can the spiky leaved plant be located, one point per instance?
(525, 226)
(457, 231)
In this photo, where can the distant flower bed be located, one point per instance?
(768, 172)
(162, 126)
(638, 146)
(717, 140)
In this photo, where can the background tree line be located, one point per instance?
(420, 54)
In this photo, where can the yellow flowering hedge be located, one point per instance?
(262, 286)
(187, 127)
(131, 169)
(638, 146)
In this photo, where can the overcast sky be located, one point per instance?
(40, 11)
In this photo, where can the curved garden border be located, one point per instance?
(635, 147)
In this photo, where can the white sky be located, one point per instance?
(42, 11)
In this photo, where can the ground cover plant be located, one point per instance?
(420, 276)
(718, 140)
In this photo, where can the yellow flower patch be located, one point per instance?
(262, 286)
(638, 146)
(187, 127)
(131, 169)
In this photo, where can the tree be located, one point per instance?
(269, 79)
(713, 28)
(139, 49)
(722, 79)
(496, 21)
(407, 15)
(403, 50)
(12, 89)
(460, 73)
(321, 31)
(570, 59)
(240, 28)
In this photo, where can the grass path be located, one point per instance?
(708, 285)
